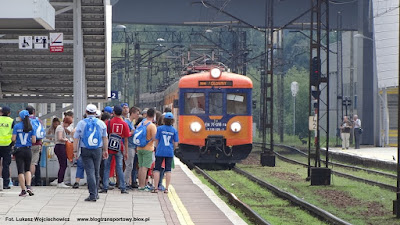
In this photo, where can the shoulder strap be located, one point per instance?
(108, 127)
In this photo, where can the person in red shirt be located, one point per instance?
(117, 130)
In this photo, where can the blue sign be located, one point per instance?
(114, 95)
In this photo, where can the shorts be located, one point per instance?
(23, 158)
(145, 158)
(35, 154)
(168, 163)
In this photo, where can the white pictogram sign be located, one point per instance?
(41, 42)
(25, 42)
(56, 42)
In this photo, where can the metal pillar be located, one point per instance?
(339, 80)
(280, 84)
(127, 68)
(137, 74)
(80, 94)
(319, 88)
(267, 155)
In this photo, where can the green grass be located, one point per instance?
(225, 199)
(352, 201)
(273, 209)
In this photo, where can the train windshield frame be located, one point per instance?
(215, 101)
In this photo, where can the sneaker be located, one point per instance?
(54, 183)
(11, 183)
(103, 191)
(88, 199)
(76, 185)
(23, 193)
(144, 189)
(124, 192)
(135, 185)
(30, 192)
(161, 188)
(7, 187)
(62, 185)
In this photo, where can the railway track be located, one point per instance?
(254, 216)
(341, 174)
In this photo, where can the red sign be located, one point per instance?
(56, 48)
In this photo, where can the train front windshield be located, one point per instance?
(231, 102)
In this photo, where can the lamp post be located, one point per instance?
(294, 87)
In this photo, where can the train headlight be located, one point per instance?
(215, 73)
(236, 127)
(195, 127)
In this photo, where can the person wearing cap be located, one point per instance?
(125, 110)
(119, 127)
(36, 146)
(24, 135)
(108, 109)
(166, 142)
(91, 158)
(6, 129)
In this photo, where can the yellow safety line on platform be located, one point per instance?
(180, 209)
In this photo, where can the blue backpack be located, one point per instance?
(38, 127)
(91, 134)
(140, 135)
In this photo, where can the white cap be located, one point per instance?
(91, 108)
(98, 113)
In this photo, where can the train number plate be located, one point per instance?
(216, 83)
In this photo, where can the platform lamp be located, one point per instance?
(126, 64)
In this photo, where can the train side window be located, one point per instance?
(236, 103)
(194, 103)
(215, 104)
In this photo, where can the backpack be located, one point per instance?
(37, 126)
(114, 140)
(140, 135)
(91, 134)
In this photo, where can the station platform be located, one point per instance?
(189, 201)
(386, 154)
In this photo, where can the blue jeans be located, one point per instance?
(80, 169)
(91, 161)
(118, 161)
(134, 170)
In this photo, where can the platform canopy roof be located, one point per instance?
(38, 75)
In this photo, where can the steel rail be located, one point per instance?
(342, 165)
(370, 182)
(294, 199)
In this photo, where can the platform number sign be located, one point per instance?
(312, 122)
(114, 94)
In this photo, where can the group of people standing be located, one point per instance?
(346, 128)
(102, 142)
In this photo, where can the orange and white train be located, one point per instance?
(214, 111)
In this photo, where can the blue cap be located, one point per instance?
(108, 109)
(6, 110)
(117, 110)
(124, 105)
(169, 115)
(23, 114)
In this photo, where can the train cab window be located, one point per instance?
(215, 104)
(236, 103)
(194, 103)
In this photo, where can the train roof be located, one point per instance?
(204, 80)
